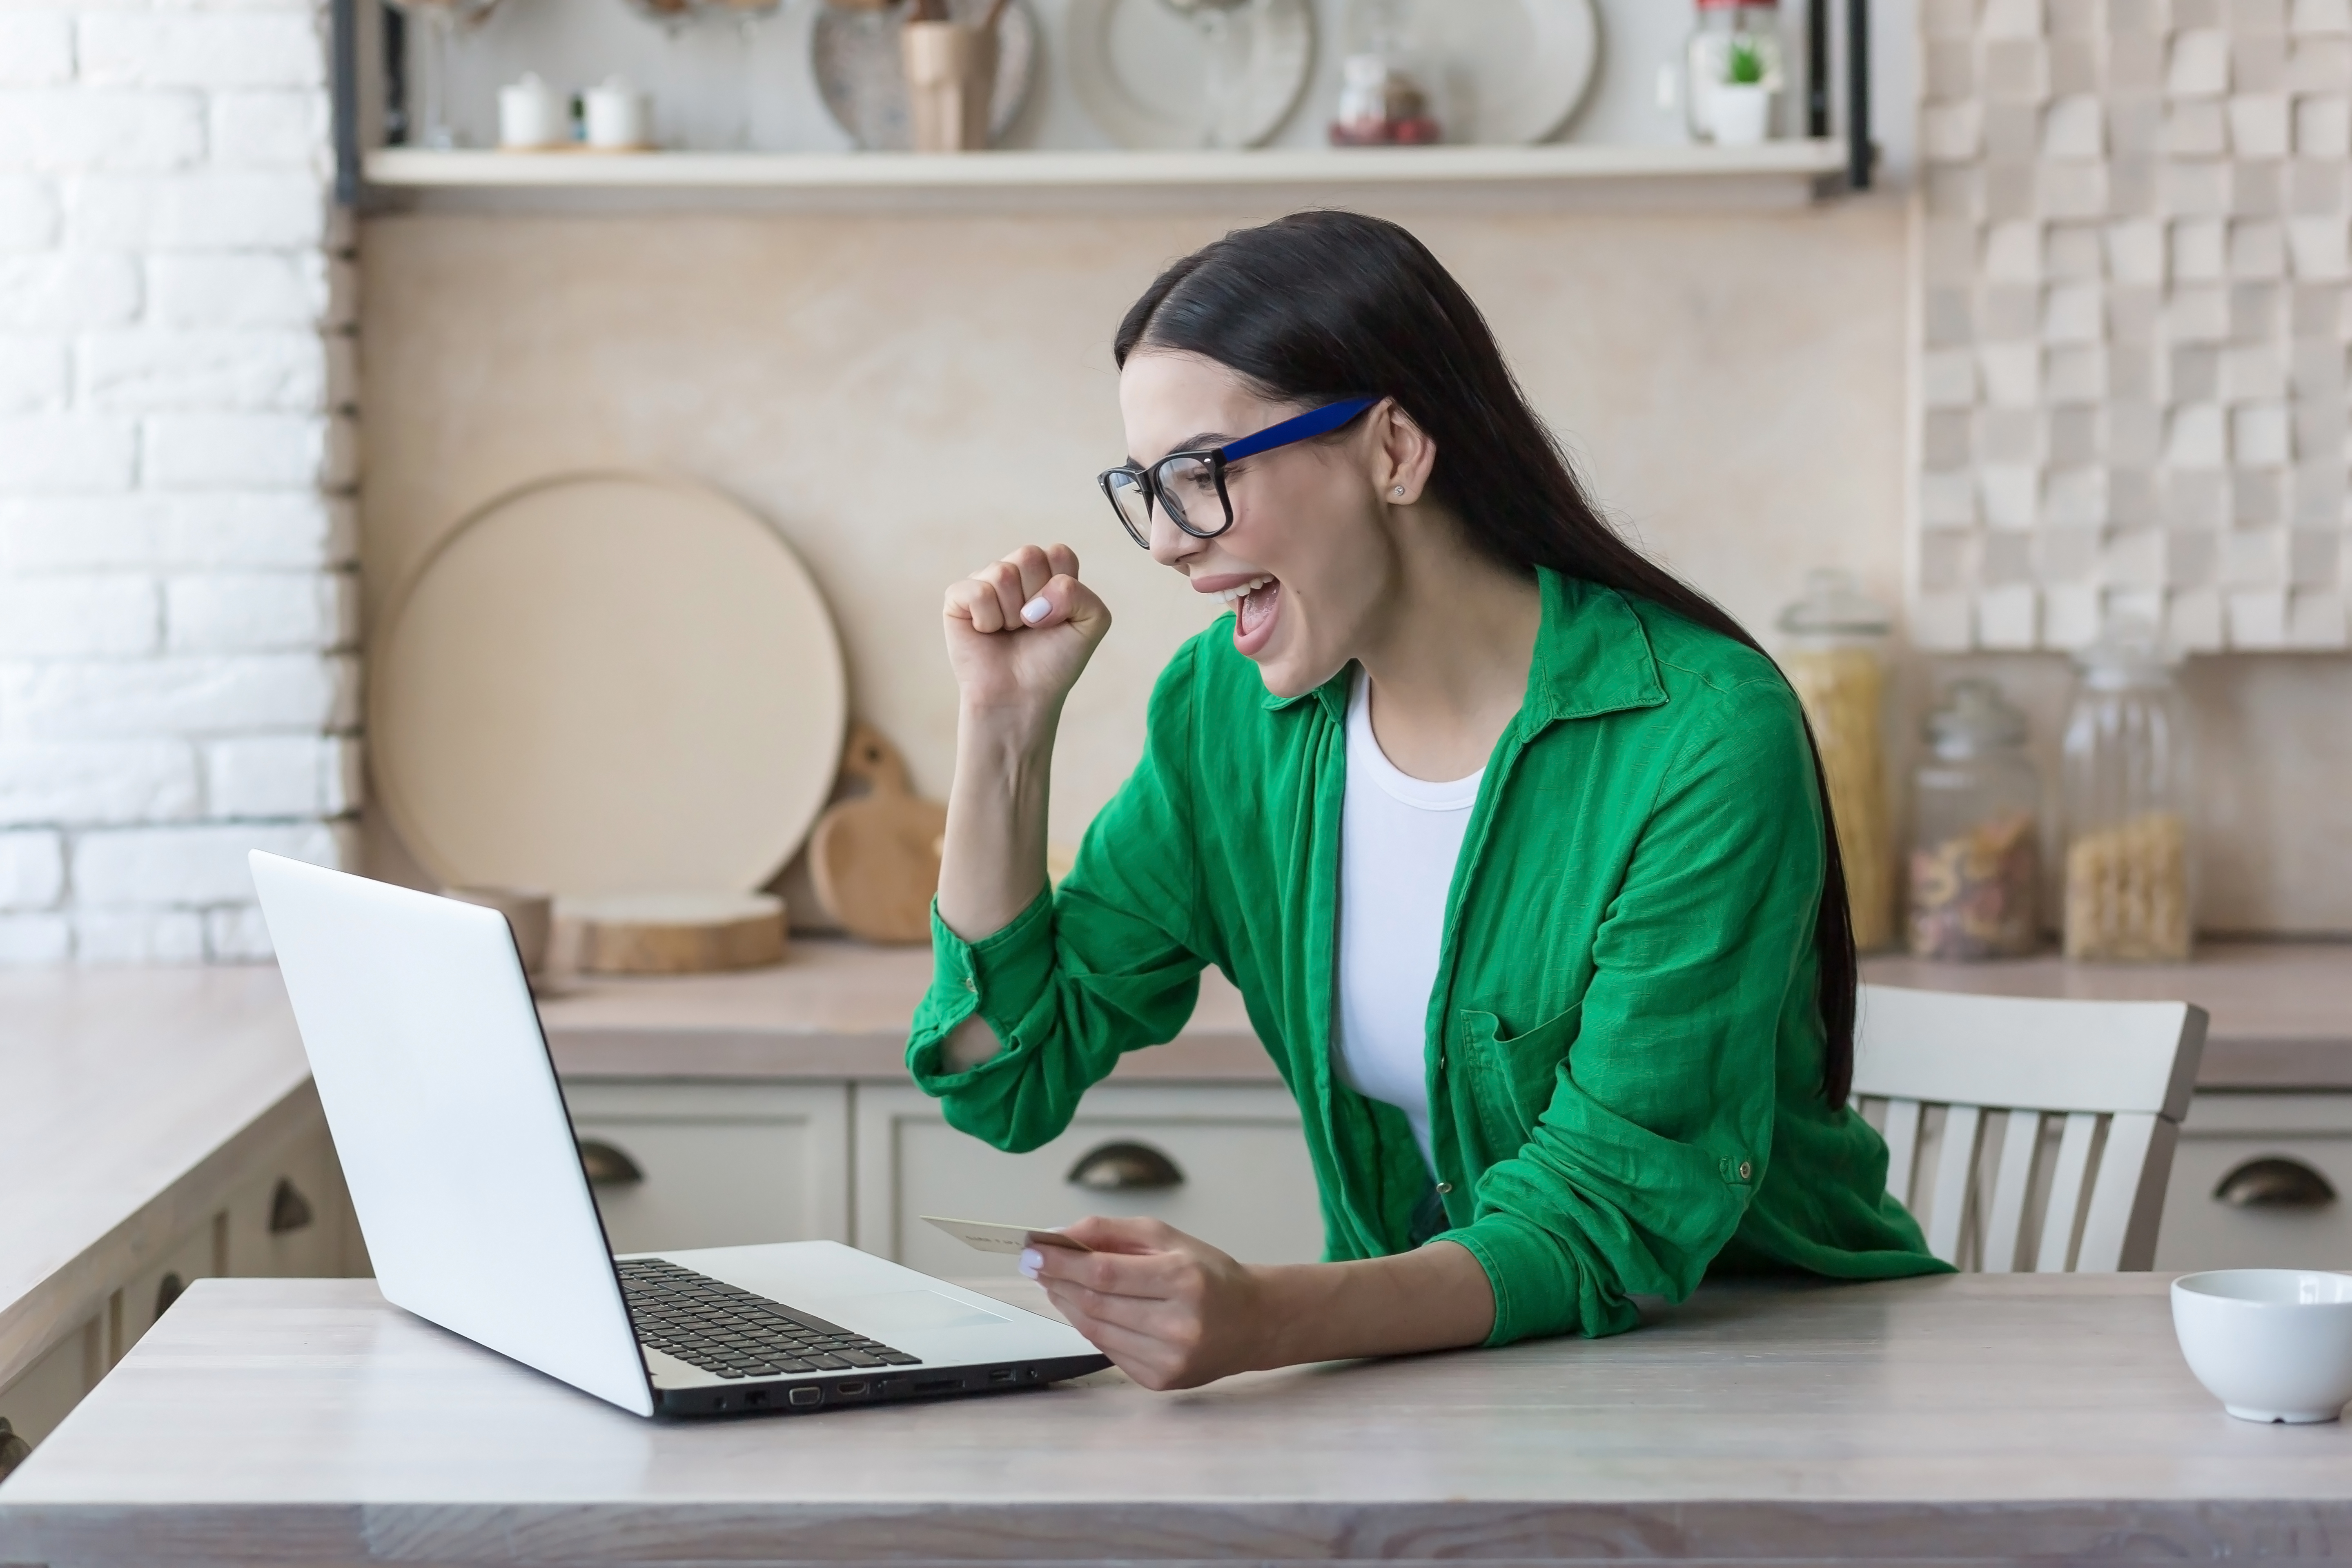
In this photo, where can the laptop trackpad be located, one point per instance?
(906, 1311)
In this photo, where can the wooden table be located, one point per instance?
(1937, 1420)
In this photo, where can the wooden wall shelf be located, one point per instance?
(1777, 174)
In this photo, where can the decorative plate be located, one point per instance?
(854, 55)
(1137, 66)
(1515, 70)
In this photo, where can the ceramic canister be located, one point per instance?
(532, 115)
(619, 116)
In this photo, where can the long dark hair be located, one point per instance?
(1320, 306)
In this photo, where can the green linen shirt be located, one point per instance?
(1624, 1054)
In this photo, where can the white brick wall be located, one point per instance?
(177, 450)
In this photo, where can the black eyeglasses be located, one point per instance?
(1191, 485)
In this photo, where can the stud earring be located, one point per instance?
(1400, 489)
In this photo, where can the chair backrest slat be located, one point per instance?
(2110, 1238)
(2021, 1139)
(1956, 1169)
(2066, 1194)
(1902, 1134)
(2115, 1078)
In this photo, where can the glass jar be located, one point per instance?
(1385, 99)
(1976, 834)
(2130, 869)
(1736, 42)
(1836, 657)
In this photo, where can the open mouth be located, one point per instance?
(1257, 603)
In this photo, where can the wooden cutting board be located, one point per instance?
(607, 683)
(671, 933)
(876, 860)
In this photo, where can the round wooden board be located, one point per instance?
(673, 933)
(607, 683)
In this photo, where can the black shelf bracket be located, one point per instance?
(343, 70)
(1858, 150)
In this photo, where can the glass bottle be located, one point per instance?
(1751, 28)
(1976, 836)
(2130, 868)
(1836, 657)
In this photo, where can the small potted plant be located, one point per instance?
(1742, 107)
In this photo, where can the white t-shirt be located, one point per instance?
(1398, 838)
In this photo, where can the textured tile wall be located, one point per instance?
(2134, 321)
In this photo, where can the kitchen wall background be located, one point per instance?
(176, 459)
(909, 398)
(905, 395)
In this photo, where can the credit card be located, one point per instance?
(988, 1237)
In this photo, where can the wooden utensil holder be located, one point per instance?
(950, 79)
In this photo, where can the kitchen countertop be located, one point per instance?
(834, 1009)
(131, 1101)
(1970, 1418)
(2282, 1016)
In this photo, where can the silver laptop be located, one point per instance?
(459, 1155)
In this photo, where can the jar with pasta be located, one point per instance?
(2130, 867)
(1835, 656)
(1976, 846)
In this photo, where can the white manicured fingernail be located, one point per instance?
(1036, 609)
(1032, 1260)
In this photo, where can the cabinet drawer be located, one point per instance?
(194, 1256)
(2222, 1132)
(718, 1165)
(2203, 1232)
(44, 1392)
(1247, 1186)
(292, 1221)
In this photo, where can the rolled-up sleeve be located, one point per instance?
(1108, 963)
(1659, 1125)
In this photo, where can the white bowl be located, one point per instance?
(2271, 1345)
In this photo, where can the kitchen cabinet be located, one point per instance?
(194, 1254)
(293, 1221)
(684, 1165)
(165, 1112)
(2290, 1203)
(1225, 1162)
(716, 1164)
(679, 1165)
(41, 1395)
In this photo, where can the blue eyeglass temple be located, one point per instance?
(1306, 426)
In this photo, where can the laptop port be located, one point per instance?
(806, 1397)
(756, 1398)
(1004, 1374)
(850, 1390)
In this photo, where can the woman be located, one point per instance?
(1515, 846)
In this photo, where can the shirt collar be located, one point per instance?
(1593, 656)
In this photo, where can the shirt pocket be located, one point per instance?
(1512, 1077)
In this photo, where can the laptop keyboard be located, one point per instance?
(734, 1333)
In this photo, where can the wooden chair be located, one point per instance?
(2027, 1135)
